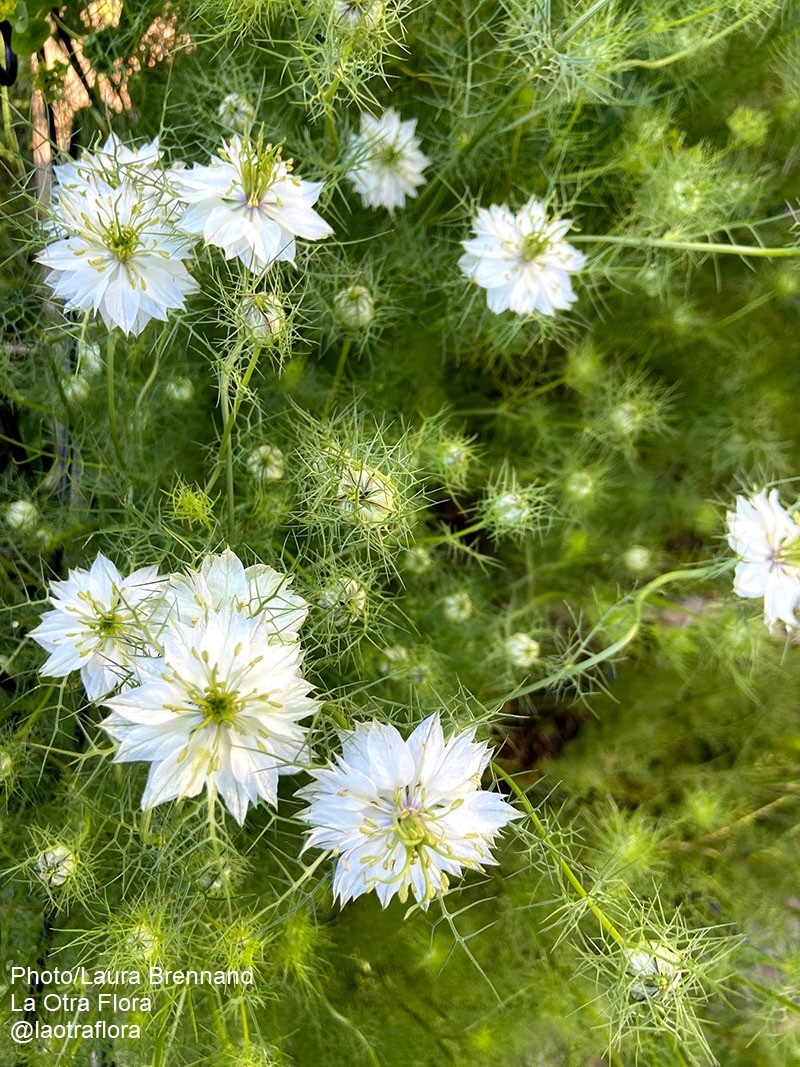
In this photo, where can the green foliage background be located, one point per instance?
(665, 773)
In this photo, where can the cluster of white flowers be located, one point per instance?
(118, 251)
(766, 538)
(124, 223)
(207, 668)
(201, 671)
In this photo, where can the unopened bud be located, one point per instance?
(236, 113)
(354, 307)
(22, 515)
(264, 317)
(266, 463)
(521, 650)
(180, 390)
(353, 15)
(458, 607)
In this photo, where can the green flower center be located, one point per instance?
(218, 707)
(107, 624)
(123, 242)
(410, 826)
(389, 155)
(259, 167)
(533, 245)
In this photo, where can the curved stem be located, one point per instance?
(562, 864)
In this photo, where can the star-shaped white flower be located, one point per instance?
(100, 624)
(403, 816)
(221, 710)
(767, 540)
(248, 203)
(387, 162)
(224, 581)
(522, 259)
(118, 254)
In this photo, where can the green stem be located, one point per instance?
(112, 409)
(230, 422)
(562, 863)
(225, 407)
(639, 598)
(689, 246)
(337, 376)
(11, 140)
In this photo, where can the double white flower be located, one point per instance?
(99, 625)
(403, 816)
(220, 710)
(117, 252)
(248, 203)
(767, 540)
(387, 162)
(210, 663)
(522, 259)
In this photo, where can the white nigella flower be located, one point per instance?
(99, 624)
(117, 254)
(220, 710)
(404, 815)
(767, 540)
(248, 203)
(224, 581)
(521, 260)
(387, 162)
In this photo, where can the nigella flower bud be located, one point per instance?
(354, 15)
(580, 485)
(521, 650)
(263, 317)
(627, 418)
(345, 599)
(180, 390)
(638, 559)
(266, 463)
(56, 865)
(509, 510)
(236, 113)
(354, 307)
(365, 494)
(22, 515)
(458, 607)
(77, 389)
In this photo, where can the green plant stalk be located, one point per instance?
(639, 599)
(224, 451)
(689, 246)
(227, 453)
(562, 864)
(337, 376)
(112, 409)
